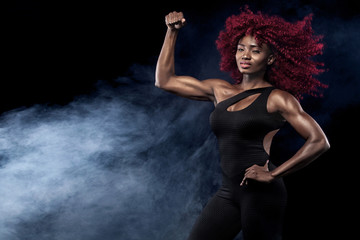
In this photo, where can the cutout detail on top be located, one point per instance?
(243, 103)
(268, 140)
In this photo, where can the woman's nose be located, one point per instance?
(246, 55)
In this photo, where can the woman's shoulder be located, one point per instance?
(217, 82)
(219, 85)
(222, 89)
(280, 94)
(280, 101)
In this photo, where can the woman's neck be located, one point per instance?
(251, 81)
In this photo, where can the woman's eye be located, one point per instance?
(240, 49)
(256, 51)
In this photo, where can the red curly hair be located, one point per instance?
(292, 43)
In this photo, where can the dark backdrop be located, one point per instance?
(90, 149)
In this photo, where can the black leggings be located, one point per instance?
(257, 209)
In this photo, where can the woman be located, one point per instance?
(269, 60)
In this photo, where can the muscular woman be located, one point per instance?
(269, 59)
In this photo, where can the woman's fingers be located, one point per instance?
(249, 174)
(266, 166)
(244, 181)
(255, 172)
(257, 167)
(175, 20)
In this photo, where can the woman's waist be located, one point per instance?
(236, 165)
(242, 150)
(243, 159)
(230, 186)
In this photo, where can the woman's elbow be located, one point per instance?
(160, 84)
(157, 83)
(325, 145)
(320, 144)
(161, 80)
(165, 81)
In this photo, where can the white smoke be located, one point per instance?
(126, 163)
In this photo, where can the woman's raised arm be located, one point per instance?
(165, 77)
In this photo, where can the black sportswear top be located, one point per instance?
(241, 133)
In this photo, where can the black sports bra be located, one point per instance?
(241, 133)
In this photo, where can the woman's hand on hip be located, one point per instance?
(257, 173)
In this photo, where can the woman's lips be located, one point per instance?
(245, 65)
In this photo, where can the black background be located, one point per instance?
(53, 51)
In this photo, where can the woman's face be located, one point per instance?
(251, 57)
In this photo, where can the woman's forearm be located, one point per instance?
(311, 150)
(165, 67)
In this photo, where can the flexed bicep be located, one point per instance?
(165, 77)
(190, 87)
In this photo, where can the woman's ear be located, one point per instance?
(271, 59)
